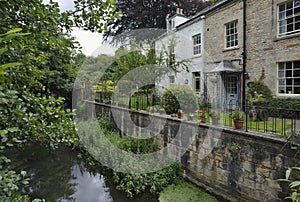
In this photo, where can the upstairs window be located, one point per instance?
(289, 17)
(289, 77)
(197, 44)
(231, 34)
(172, 79)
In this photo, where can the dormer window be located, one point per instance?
(171, 24)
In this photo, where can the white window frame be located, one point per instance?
(288, 78)
(231, 34)
(197, 44)
(288, 18)
(171, 79)
(195, 79)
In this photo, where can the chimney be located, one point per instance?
(178, 10)
(181, 11)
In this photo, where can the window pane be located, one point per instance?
(297, 73)
(281, 15)
(297, 11)
(289, 90)
(290, 21)
(289, 5)
(289, 65)
(290, 28)
(289, 82)
(296, 3)
(281, 7)
(297, 90)
(288, 73)
(296, 64)
(281, 82)
(296, 81)
(289, 12)
(297, 26)
(281, 66)
(281, 74)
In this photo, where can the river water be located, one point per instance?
(61, 176)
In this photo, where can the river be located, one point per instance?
(61, 176)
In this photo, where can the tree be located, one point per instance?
(49, 48)
(140, 14)
(28, 112)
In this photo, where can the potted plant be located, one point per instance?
(201, 115)
(238, 118)
(215, 117)
(180, 114)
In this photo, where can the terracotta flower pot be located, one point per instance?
(238, 124)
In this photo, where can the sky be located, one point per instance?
(90, 42)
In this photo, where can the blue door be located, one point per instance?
(232, 90)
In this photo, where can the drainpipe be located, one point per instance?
(244, 58)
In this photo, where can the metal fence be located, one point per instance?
(272, 120)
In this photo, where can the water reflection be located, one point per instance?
(61, 176)
(88, 187)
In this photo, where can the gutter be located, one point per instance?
(244, 54)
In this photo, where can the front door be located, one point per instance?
(231, 90)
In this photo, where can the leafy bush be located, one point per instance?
(293, 184)
(178, 97)
(132, 184)
(282, 107)
(259, 89)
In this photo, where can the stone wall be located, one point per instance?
(233, 164)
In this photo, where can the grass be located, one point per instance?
(184, 191)
(273, 125)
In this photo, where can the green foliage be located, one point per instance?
(27, 115)
(105, 86)
(293, 184)
(182, 191)
(237, 114)
(132, 184)
(177, 97)
(282, 107)
(214, 113)
(48, 48)
(259, 91)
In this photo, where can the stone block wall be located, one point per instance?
(264, 48)
(233, 164)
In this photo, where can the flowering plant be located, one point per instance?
(201, 113)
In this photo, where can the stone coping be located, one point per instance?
(251, 134)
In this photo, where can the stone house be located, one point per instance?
(237, 43)
(273, 44)
(223, 45)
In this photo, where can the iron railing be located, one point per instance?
(272, 120)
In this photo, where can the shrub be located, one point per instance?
(282, 107)
(259, 89)
(178, 97)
